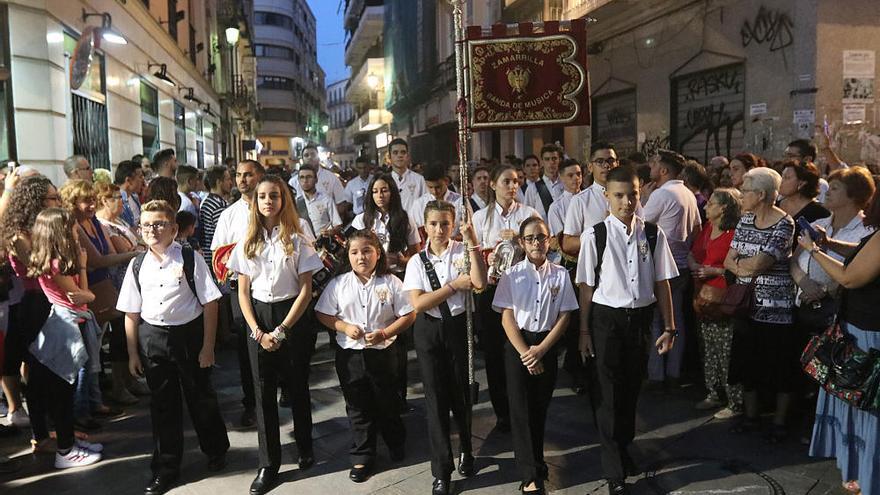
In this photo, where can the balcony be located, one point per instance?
(369, 121)
(359, 88)
(575, 9)
(368, 30)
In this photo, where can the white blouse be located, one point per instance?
(536, 295)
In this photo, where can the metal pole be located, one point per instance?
(463, 136)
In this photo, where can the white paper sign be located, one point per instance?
(858, 63)
(757, 109)
(854, 114)
(804, 116)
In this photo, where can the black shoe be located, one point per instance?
(397, 453)
(359, 474)
(502, 425)
(248, 418)
(306, 460)
(161, 483)
(217, 462)
(264, 481)
(284, 401)
(466, 464)
(539, 489)
(617, 487)
(440, 487)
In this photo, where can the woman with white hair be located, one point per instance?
(764, 354)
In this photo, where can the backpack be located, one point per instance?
(189, 266)
(601, 231)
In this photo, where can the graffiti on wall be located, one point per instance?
(652, 145)
(770, 27)
(708, 112)
(614, 120)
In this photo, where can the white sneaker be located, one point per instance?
(92, 447)
(75, 458)
(708, 403)
(727, 413)
(20, 418)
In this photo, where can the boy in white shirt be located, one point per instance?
(320, 211)
(170, 303)
(623, 271)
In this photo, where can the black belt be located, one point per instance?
(628, 311)
(434, 318)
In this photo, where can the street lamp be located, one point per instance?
(373, 81)
(106, 30)
(232, 34)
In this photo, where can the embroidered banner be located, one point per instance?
(528, 79)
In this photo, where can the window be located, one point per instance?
(274, 51)
(172, 18)
(273, 19)
(274, 82)
(89, 116)
(278, 114)
(149, 119)
(179, 132)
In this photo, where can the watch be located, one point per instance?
(673, 331)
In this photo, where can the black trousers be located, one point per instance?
(442, 352)
(492, 340)
(290, 364)
(170, 356)
(620, 341)
(369, 384)
(50, 395)
(529, 397)
(240, 328)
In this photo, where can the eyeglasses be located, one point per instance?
(604, 162)
(532, 239)
(157, 226)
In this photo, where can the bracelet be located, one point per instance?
(284, 327)
(384, 335)
(673, 331)
(475, 248)
(451, 288)
(257, 334)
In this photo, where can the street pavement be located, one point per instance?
(684, 451)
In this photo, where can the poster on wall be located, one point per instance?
(859, 68)
(854, 114)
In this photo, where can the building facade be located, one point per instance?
(365, 22)
(114, 106)
(340, 116)
(290, 83)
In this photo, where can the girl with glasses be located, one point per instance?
(535, 299)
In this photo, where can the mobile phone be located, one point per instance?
(804, 224)
(11, 165)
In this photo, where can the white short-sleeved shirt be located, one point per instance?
(165, 298)
(417, 212)
(380, 228)
(356, 193)
(232, 225)
(275, 275)
(489, 222)
(322, 212)
(327, 183)
(411, 186)
(448, 267)
(533, 198)
(536, 295)
(372, 306)
(556, 215)
(628, 269)
(854, 231)
(673, 207)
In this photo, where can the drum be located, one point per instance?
(331, 250)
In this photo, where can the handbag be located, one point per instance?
(819, 315)
(738, 299)
(707, 299)
(104, 305)
(836, 363)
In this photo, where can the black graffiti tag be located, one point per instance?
(770, 26)
(619, 117)
(710, 121)
(713, 83)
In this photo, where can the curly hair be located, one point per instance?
(28, 198)
(75, 191)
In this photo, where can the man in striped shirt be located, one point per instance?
(219, 183)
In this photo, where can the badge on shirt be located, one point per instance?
(177, 271)
(412, 188)
(554, 290)
(382, 294)
(321, 209)
(507, 234)
(643, 249)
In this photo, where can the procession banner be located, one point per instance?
(529, 78)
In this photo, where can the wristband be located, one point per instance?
(384, 335)
(475, 248)
(451, 288)
(673, 331)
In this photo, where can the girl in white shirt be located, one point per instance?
(535, 298)
(367, 307)
(384, 215)
(275, 265)
(438, 285)
(498, 221)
